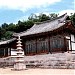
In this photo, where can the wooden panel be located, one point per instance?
(42, 45)
(30, 47)
(56, 43)
(37, 46)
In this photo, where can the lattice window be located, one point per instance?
(56, 42)
(42, 44)
(30, 46)
(2, 52)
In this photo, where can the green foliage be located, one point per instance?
(8, 35)
(11, 27)
(22, 26)
(2, 32)
(43, 17)
(73, 18)
(53, 15)
(4, 26)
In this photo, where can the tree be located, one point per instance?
(73, 18)
(20, 26)
(11, 27)
(23, 26)
(8, 35)
(0, 33)
(53, 15)
(5, 25)
(33, 17)
(43, 17)
(3, 31)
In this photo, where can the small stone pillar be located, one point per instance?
(19, 59)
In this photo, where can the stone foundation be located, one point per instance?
(19, 66)
(57, 60)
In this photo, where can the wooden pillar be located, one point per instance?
(36, 45)
(49, 44)
(24, 48)
(70, 42)
(9, 49)
(64, 44)
(9, 52)
(4, 52)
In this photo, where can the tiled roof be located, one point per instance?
(7, 41)
(45, 26)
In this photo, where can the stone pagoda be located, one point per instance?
(19, 59)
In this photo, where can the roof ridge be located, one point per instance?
(37, 23)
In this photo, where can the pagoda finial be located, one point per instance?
(18, 37)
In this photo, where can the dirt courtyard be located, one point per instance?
(8, 71)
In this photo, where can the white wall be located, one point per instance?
(69, 45)
(72, 37)
(73, 46)
(67, 37)
(13, 52)
(72, 43)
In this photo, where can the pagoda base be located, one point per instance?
(19, 66)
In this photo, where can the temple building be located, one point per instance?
(52, 36)
(6, 48)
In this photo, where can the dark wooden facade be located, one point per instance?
(5, 50)
(6, 47)
(45, 44)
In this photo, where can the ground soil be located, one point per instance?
(9, 71)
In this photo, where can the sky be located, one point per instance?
(11, 11)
